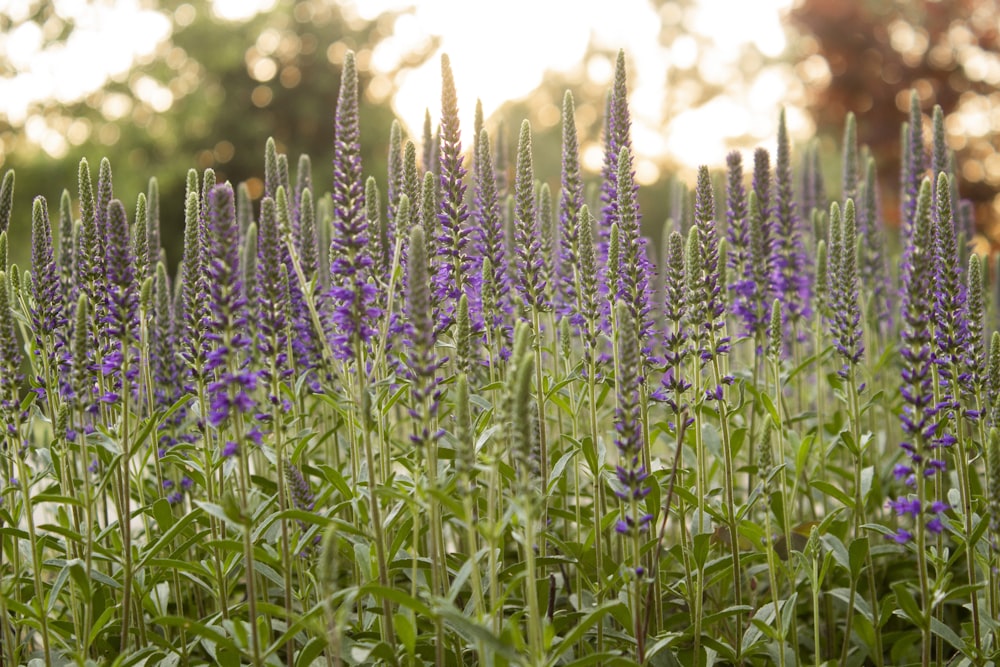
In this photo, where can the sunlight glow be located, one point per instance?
(498, 54)
(104, 43)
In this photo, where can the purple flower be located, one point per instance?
(846, 312)
(813, 186)
(455, 268)
(676, 347)
(230, 449)
(912, 168)
(790, 263)
(586, 311)
(905, 506)
(122, 301)
(422, 360)
(737, 231)
(617, 135)
(901, 536)
(631, 473)
(703, 299)
(570, 203)
(849, 162)
(299, 489)
(636, 269)
(951, 333)
(232, 385)
(491, 246)
(10, 362)
(47, 306)
(527, 236)
(193, 313)
(917, 416)
(873, 269)
(354, 298)
(6, 199)
(272, 292)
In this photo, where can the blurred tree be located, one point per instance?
(875, 51)
(209, 95)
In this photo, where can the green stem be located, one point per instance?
(36, 560)
(599, 507)
(772, 570)
(531, 592)
(388, 635)
(729, 473)
(542, 440)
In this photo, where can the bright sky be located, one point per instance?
(497, 55)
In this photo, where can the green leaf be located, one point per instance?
(830, 490)
(839, 551)
(166, 538)
(858, 552)
(908, 607)
(53, 593)
(557, 470)
(399, 597)
(572, 638)
(312, 650)
(80, 578)
(867, 475)
(475, 632)
(163, 514)
(947, 634)
(219, 513)
(802, 454)
(405, 630)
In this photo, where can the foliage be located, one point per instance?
(431, 478)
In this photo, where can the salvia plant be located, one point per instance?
(454, 415)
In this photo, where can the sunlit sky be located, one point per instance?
(499, 52)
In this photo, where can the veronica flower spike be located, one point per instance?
(355, 309)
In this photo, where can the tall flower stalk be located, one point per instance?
(954, 401)
(454, 271)
(530, 278)
(918, 409)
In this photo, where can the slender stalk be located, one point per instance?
(965, 495)
(729, 484)
(599, 505)
(772, 569)
(531, 592)
(388, 635)
(542, 442)
(36, 559)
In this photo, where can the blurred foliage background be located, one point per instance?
(210, 91)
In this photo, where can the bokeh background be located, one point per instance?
(159, 86)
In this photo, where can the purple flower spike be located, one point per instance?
(230, 391)
(847, 334)
(490, 244)
(790, 263)
(48, 307)
(528, 245)
(918, 414)
(617, 135)
(630, 471)
(454, 271)
(354, 298)
(570, 203)
(636, 269)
